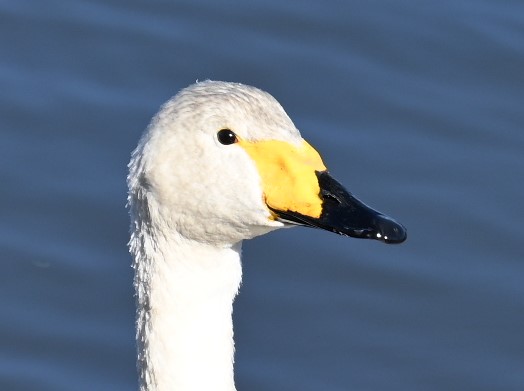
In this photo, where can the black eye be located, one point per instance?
(226, 137)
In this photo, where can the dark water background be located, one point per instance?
(417, 106)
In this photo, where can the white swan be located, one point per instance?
(220, 163)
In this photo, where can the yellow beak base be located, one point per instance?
(288, 175)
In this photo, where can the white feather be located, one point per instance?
(192, 201)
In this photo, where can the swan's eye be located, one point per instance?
(226, 137)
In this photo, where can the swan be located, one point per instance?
(219, 163)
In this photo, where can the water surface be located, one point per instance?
(415, 106)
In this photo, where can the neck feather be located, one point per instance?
(185, 292)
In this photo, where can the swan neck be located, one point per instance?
(185, 292)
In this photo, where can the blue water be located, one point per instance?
(417, 107)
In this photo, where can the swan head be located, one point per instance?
(222, 162)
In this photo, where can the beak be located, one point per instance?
(344, 214)
(299, 190)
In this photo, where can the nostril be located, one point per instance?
(328, 195)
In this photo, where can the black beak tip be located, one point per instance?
(389, 231)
